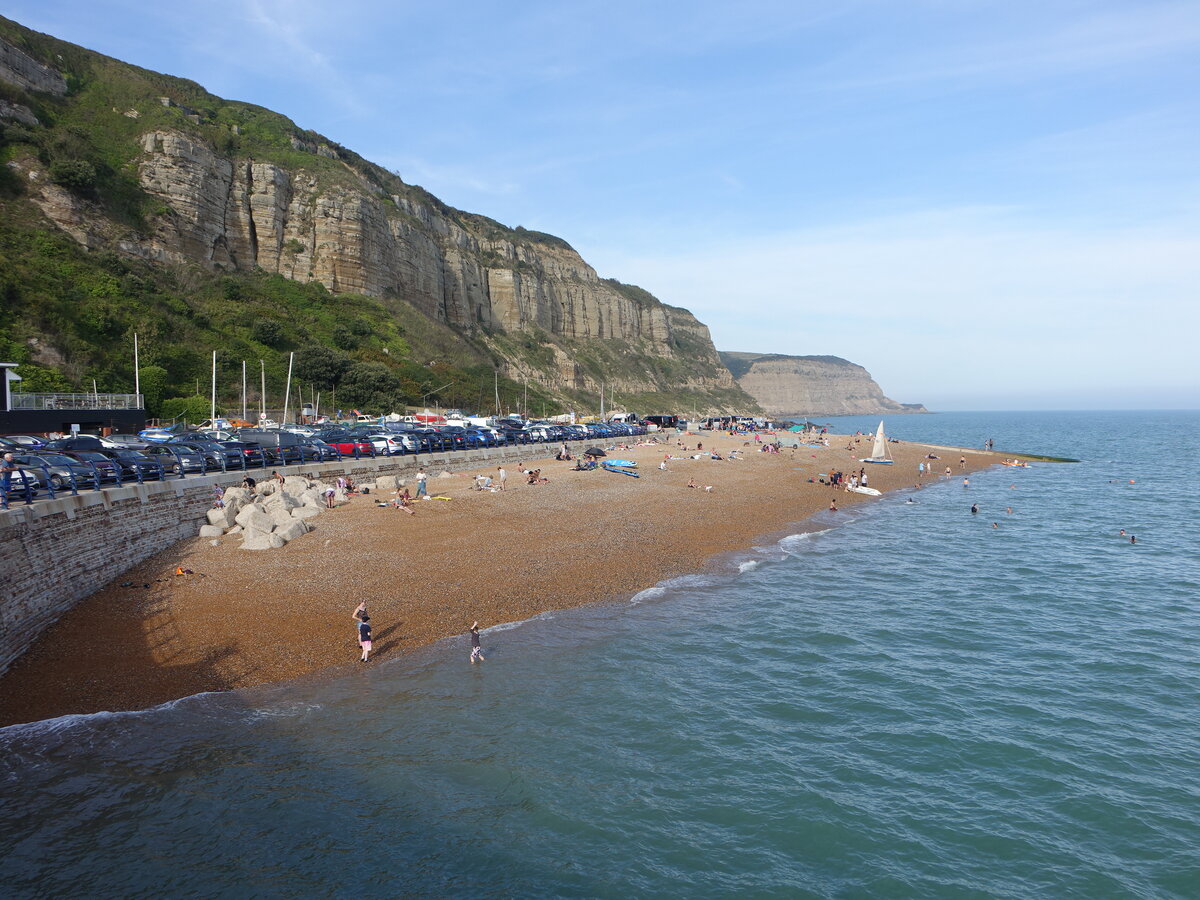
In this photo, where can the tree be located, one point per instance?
(369, 384)
(344, 338)
(37, 379)
(154, 386)
(319, 365)
(193, 409)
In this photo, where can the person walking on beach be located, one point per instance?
(476, 650)
(962, 462)
(502, 476)
(421, 479)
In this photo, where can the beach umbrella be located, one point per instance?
(594, 451)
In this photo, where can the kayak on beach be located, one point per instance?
(611, 467)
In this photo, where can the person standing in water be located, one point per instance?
(476, 650)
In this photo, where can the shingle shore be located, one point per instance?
(247, 618)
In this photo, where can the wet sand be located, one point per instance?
(252, 617)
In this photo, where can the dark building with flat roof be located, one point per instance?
(45, 413)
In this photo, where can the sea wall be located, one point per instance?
(54, 553)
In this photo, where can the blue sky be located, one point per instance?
(988, 205)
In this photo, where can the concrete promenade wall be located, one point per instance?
(56, 552)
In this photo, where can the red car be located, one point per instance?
(345, 444)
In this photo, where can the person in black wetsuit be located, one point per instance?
(476, 650)
(974, 508)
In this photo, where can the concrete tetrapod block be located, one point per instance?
(292, 530)
(210, 531)
(253, 517)
(253, 539)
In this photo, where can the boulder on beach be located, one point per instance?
(254, 518)
(211, 531)
(222, 517)
(253, 539)
(292, 530)
(305, 512)
(385, 483)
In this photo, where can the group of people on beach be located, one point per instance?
(363, 620)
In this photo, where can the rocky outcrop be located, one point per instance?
(811, 385)
(20, 69)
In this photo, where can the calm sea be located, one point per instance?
(905, 703)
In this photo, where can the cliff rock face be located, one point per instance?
(811, 385)
(244, 214)
(19, 68)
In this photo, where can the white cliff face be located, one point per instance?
(812, 385)
(245, 214)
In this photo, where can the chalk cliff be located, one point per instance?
(811, 385)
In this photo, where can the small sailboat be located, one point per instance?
(879, 450)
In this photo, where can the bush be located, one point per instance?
(267, 331)
(76, 175)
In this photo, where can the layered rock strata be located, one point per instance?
(811, 385)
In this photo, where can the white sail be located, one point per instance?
(879, 450)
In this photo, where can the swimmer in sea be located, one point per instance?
(974, 509)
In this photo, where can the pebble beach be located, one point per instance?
(246, 618)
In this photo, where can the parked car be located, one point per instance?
(26, 441)
(133, 462)
(108, 468)
(124, 442)
(24, 483)
(321, 451)
(252, 453)
(156, 435)
(57, 470)
(177, 458)
(215, 454)
(346, 443)
(76, 442)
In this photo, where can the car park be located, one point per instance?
(156, 435)
(75, 442)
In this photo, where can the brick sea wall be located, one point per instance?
(56, 552)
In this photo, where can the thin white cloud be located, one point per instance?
(953, 298)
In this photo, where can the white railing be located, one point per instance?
(76, 401)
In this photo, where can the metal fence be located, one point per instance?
(76, 401)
